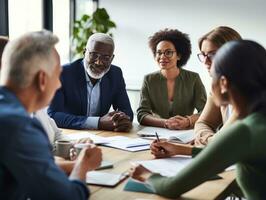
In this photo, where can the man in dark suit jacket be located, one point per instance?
(90, 86)
(29, 78)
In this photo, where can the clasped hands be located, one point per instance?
(177, 122)
(115, 121)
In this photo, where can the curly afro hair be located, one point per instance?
(180, 40)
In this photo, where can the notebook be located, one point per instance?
(180, 136)
(105, 178)
(105, 164)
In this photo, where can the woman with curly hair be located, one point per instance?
(170, 96)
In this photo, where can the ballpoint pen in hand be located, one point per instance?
(158, 140)
(157, 137)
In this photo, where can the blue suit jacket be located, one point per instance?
(27, 168)
(69, 105)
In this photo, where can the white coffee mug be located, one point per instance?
(64, 148)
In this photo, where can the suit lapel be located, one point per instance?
(82, 87)
(105, 94)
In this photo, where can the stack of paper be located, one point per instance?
(128, 144)
(119, 142)
(181, 136)
(166, 166)
(96, 138)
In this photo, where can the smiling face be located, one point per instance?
(98, 58)
(208, 50)
(166, 55)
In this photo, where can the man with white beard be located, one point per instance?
(90, 86)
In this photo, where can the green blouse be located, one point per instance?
(189, 94)
(242, 143)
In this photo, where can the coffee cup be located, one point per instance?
(64, 148)
(79, 146)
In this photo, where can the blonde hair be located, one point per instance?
(219, 36)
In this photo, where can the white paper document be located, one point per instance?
(181, 136)
(104, 178)
(166, 166)
(128, 144)
(80, 135)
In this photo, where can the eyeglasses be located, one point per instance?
(166, 53)
(202, 56)
(104, 58)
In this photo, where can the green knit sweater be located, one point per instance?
(189, 94)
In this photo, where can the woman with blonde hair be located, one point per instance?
(212, 116)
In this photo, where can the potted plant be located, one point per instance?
(99, 21)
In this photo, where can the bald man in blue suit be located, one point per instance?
(90, 86)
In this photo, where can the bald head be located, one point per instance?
(100, 38)
(3, 42)
(25, 56)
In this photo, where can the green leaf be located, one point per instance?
(88, 25)
(85, 18)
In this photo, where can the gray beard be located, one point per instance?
(92, 74)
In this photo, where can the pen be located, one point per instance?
(158, 140)
(146, 135)
(157, 137)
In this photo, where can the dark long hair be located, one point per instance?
(243, 63)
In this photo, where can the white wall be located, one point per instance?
(138, 19)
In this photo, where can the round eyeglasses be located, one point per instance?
(104, 58)
(202, 56)
(166, 53)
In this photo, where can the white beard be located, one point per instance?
(92, 74)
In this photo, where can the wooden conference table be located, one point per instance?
(215, 189)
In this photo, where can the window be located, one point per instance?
(61, 27)
(83, 7)
(24, 16)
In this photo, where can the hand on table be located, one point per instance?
(163, 149)
(115, 121)
(177, 122)
(140, 173)
(88, 160)
(122, 122)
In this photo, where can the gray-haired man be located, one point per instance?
(90, 86)
(29, 78)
